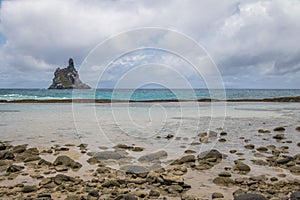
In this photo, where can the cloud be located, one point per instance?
(258, 38)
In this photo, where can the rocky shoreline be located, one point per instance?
(280, 99)
(73, 171)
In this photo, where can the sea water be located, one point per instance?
(145, 94)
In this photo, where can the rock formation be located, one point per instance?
(67, 78)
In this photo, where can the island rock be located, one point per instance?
(67, 78)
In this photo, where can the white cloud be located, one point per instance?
(256, 37)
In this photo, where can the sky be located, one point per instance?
(254, 43)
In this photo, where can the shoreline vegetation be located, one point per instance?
(278, 99)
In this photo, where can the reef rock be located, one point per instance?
(67, 78)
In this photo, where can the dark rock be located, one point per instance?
(169, 136)
(184, 159)
(14, 168)
(298, 128)
(153, 156)
(106, 155)
(249, 146)
(295, 195)
(295, 169)
(223, 133)
(262, 149)
(67, 162)
(67, 78)
(250, 197)
(298, 144)
(32, 158)
(224, 174)
(94, 193)
(223, 181)
(279, 136)
(212, 155)
(217, 195)
(241, 168)
(222, 140)
(135, 169)
(154, 193)
(29, 188)
(3, 146)
(280, 129)
(60, 178)
(44, 197)
(282, 161)
(175, 189)
(259, 162)
(208, 159)
(19, 149)
(263, 131)
(6, 155)
(132, 148)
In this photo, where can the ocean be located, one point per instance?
(144, 94)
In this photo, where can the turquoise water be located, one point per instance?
(143, 94)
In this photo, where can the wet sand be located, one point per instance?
(256, 151)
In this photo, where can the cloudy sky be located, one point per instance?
(254, 43)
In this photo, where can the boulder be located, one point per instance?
(67, 162)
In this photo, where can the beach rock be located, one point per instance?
(135, 169)
(282, 161)
(279, 129)
(259, 162)
(14, 168)
(224, 174)
(184, 159)
(19, 148)
(217, 195)
(241, 168)
(126, 197)
(250, 197)
(29, 188)
(249, 146)
(295, 169)
(169, 136)
(223, 181)
(175, 189)
(297, 128)
(223, 133)
(67, 162)
(6, 155)
(279, 136)
(32, 158)
(67, 78)
(262, 149)
(208, 159)
(60, 178)
(263, 131)
(154, 193)
(132, 148)
(153, 156)
(298, 144)
(94, 193)
(222, 140)
(44, 197)
(295, 195)
(106, 155)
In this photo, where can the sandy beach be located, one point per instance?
(47, 152)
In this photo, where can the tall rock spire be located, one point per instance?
(67, 78)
